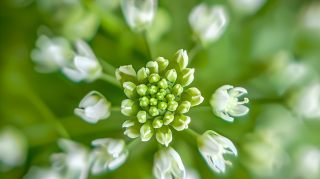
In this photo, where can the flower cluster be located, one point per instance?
(157, 97)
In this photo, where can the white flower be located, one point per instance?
(310, 16)
(139, 14)
(43, 172)
(308, 162)
(306, 103)
(51, 54)
(208, 23)
(247, 6)
(73, 162)
(225, 102)
(212, 146)
(192, 174)
(85, 65)
(108, 155)
(13, 148)
(168, 164)
(93, 107)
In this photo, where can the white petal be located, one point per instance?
(84, 50)
(132, 133)
(239, 110)
(73, 75)
(98, 111)
(128, 123)
(177, 167)
(226, 143)
(99, 142)
(241, 91)
(85, 64)
(115, 146)
(224, 116)
(98, 167)
(208, 145)
(118, 161)
(219, 162)
(128, 70)
(162, 160)
(210, 163)
(219, 99)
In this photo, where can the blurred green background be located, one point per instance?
(243, 56)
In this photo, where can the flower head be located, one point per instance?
(108, 155)
(212, 146)
(93, 107)
(224, 101)
(85, 65)
(139, 14)
(13, 148)
(168, 164)
(51, 54)
(157, 97)
(208, 23)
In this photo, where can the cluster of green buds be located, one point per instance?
(157, 98)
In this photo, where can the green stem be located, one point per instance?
(147, 41)
(194, 51)
(48, 115)
(133, 143)
(110, 79)
(107, 67)
(193, 133)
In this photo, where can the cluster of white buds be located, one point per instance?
(225, 102)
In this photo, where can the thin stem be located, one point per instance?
(147, 41)
(48, 114)
(107, 67)
(194, 51)
(133, 143)
(193, 133)
(110, 79)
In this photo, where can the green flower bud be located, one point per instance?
(172, 105)
(162, 105)
(167, 119)
(160, 96)
(164, 135)
(170, 97)
(193, 95)
(171, 75)
(146, 131)
(153, 67)
(187, 77)
(177, 90)
(163, 84)
(142, 90)
(180, 122)
(157, 123)
(163, 91)
(163, 63)
(142, 116)
(153, 101)
(144, 101)
(181, 58)
(184, 107)
(153, 111)
(143, 75)
(152, 90)
(153, 78)
(129, 107)
(133, 128)
(129, 90)
(126, 73)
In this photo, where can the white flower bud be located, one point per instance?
(208, 23)
(139, 14)
(93, 107)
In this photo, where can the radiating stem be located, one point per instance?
(110, 79)
(133, 143)
(147, 41)
(192, 132)
(108, 68)
(194, 51)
